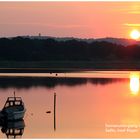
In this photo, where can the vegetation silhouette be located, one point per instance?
(26, 49)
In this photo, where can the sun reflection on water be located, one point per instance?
(134, 83)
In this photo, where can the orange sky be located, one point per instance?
(77, 19)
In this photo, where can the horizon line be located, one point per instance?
(59, 37)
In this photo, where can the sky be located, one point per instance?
(69, 19)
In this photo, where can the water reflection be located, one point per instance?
(28, 82)
(13, 129)
(81, 108)
(134, 83)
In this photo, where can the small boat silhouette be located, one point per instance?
(13, 109)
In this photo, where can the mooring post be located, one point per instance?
(14, 95)
(54, 111)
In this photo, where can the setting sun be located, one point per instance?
(135, 34)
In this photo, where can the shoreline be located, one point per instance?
(67, 66)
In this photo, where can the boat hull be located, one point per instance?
(15, 115)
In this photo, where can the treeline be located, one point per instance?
(26, 49)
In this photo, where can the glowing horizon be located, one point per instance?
(69, 19)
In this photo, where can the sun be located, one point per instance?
(135, 34)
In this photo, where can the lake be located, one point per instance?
(88, 104)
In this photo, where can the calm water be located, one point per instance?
(88, 104)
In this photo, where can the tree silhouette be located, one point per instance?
(26, 49)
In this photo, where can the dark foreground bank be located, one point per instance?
(66, 66)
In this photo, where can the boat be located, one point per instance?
(13, 109)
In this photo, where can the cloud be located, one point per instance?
(47, 25)
(132, 24)
(134, 12)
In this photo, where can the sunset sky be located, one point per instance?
(69, 19)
